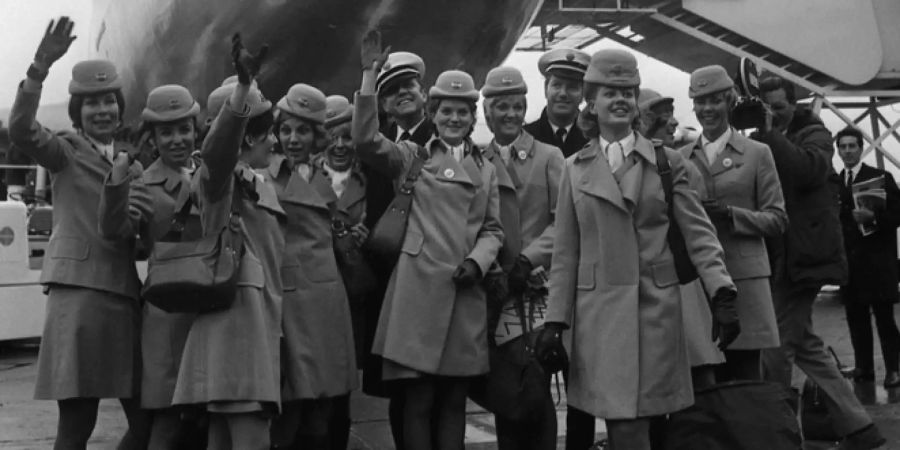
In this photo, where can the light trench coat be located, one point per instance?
(613, 281)
(743, 177)
(426, 323)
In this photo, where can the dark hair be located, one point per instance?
(434, 103)
(318, 130)
(774, 83)
(260, 124)
(852, 132)
(76, 101)
(587, 120)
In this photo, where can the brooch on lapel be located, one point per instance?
(727, 162)
(522, 155)
(449, 173)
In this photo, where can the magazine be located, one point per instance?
(870, 195)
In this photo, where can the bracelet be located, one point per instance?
(36, 74)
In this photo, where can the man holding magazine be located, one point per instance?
(870, 215)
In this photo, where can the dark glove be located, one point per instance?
(519, 274)
(246, 64)
(726, 326)
(716, 211)
(549, 349)
(55, 43)
(467, 274)
(371, 55)
(496, 288)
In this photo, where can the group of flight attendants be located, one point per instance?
(571, 205)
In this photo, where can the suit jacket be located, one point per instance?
(872, 259)
(613, 280)
(543, 132)
(77, 254)
(811, 253)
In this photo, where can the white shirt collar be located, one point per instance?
(106, 150)
(627, 144)
(714, 148)
(855, 169)
(554, 127)
(411, 131)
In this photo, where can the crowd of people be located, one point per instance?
(582, 243)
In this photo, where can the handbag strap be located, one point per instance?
(415, 170)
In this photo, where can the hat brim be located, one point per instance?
(440, 94)
(148, 115)
(76, 88)
(343, 117)
(395, 78)
(656, 101)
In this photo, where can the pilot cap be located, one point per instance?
(504, 81)
(93, 77)
(649, 98)
(454, 84)
(399, 66)
(613, 67)
(305, 102)
(338, 110)
(565, 62)
(255, 100)
(709, 79)
(169, 103)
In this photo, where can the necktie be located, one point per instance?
(504, 153)
(849, 177)
(561, 135)
(615, 154)
(404, 136)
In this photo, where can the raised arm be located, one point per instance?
(48, 149)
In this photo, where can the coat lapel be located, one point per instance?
(732, 156)
(354, 193)
(595, 177)
(504, 173)
(631, 178)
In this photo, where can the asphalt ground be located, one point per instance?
(30, 424)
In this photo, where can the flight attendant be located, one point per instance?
(744, 201)
(230, 363)
(319, 363)
(628, 363)
(432, 330)
(171, 119)
(528, 174)
(90, 345)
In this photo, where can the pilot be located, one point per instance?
(628, 363)
(432, 331)
(528, 174)
(563, 70)
(170, 118)
(90, 345)
(319, 361)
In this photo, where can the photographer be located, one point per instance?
(809, 255)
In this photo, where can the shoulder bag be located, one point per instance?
(684, 267)
(386, 238)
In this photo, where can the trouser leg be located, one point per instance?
(888, 334)
(630, 434)
(77, 419)
(859, 322)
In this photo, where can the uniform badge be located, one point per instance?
(702, 83)
(506, 80)
(449, 173)
(727, 162)
(522, 154)
(100, 76)
(456, 85)
(174, 104)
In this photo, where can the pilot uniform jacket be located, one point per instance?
(543, 132)
(743, 177)
(231, 357)
(811, 252)
(427, 324)
(318, 351)
(613, 281)
(90, 342)
(162, 334)
(872, 259)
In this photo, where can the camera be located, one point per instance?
(749, 111)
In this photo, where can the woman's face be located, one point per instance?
(712, 113)
(341, 151)
(258, 149)
(615, 107)
(100, 116)
(453, 120)
(175, 141)
(297, 138)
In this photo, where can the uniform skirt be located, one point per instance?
(163, 336)
(90, 347)
(697, 320)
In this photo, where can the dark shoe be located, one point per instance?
(863, 376)
(892, 379)
(865, 439)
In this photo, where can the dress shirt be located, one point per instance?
(713, 149)
(617, 151)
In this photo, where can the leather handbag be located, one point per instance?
(196, 276)
(684, 267)
(355, 271)
(386, 238)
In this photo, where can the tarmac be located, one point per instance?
(30, 424)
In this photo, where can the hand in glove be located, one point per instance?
(726, 326)
(518, 275)
(246, 64)
(716, 211)
(371, 55)
(55, 43)
(549, 349)
(467, 274)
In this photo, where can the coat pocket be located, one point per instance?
(69, 248)
(251, 272)
(289, 277)
(413, 242)
(664, 274)
(586, 281)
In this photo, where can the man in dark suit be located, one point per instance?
(872, 260)
(563, 70)
(809, 255)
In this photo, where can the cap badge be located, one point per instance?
(449, 173)
(100, 76)
(727, 162)
(702, 83)
(303, 102)
(173, 103)
(617, 70)
(456, 85)
(330, 114)
(570, 56)
(506, 80)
